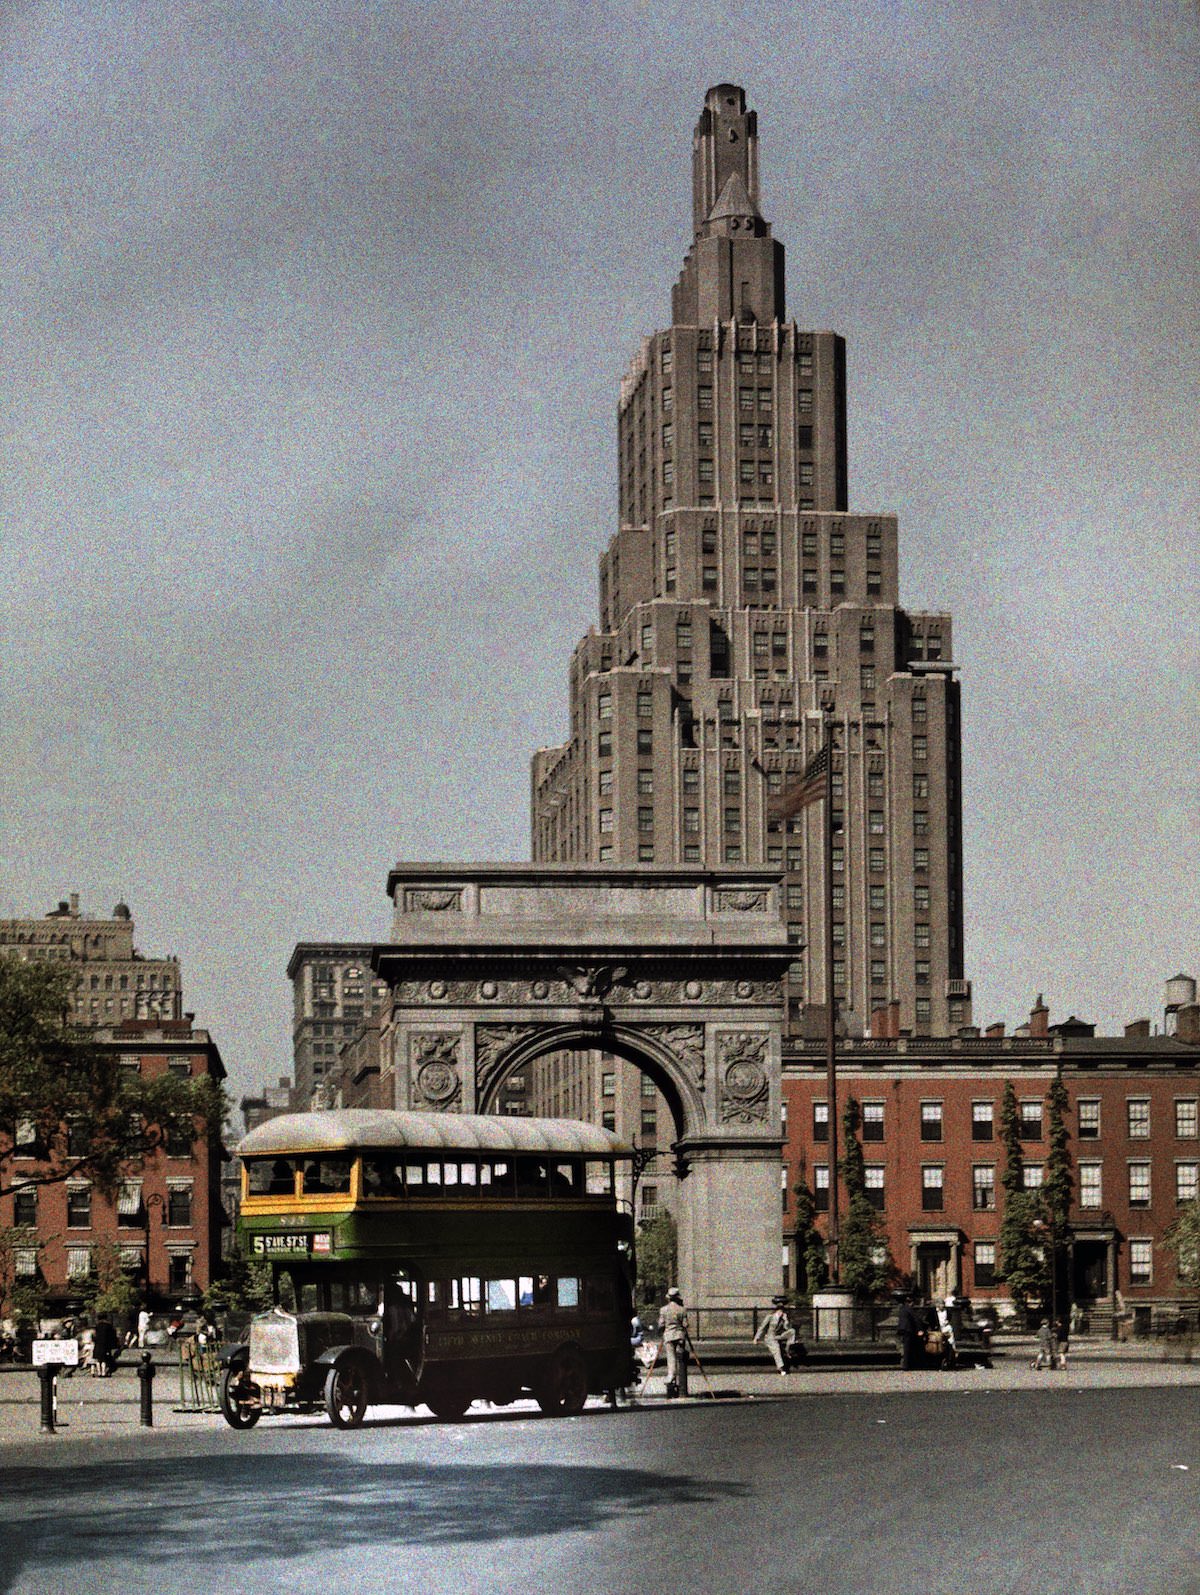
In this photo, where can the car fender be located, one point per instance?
(235, 1356)
(339, 1356)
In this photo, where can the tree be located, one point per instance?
(1060, 1182)
(657, 1256)
(69, 1102)
(244, 1286)
(1182, 1240)
(1023, 1261)
(107, 1288)
(811, 1268)
(21, 1299)
(862, 1233)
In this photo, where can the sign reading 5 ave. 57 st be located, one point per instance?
(291, 1245)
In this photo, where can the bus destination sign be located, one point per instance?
(293, 1245)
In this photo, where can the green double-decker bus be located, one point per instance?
(432, 1258)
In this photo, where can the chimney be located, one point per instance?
(1039, 1018)
(1187, 1024)
(994, 1032)
(1138, 1027)
(74, 905)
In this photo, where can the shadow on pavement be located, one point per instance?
(219, 1513)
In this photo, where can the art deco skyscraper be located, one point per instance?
(737, 597)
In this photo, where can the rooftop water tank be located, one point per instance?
(1180, 992)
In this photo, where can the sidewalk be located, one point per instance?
(95, 1408)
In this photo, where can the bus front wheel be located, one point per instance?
(237, 1414)
(346, 1395)
(563, 1389)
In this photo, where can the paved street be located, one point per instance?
(950, 1484)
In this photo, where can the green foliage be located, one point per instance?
(1182, 1240)
(1060, 1183)
(1024, 1254)
(245, 1286)
(19, 1298)
(88, 1114)
(862, 1231)
(107, 1287)
(657, 1257)
(811, 1268)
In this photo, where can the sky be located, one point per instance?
(312, 320)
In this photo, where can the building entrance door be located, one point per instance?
(933, 1268)
(1089, 1281)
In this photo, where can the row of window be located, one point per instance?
(748, 360)
(983, 1185)
(1030, 1116)
(131, 1211)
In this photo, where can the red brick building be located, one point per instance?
(167, 1216)
(930, 1132)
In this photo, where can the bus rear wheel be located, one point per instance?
(447, 1401)
(346, 1395)
(237, 1414)
(563, 1388)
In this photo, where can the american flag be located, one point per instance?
(808, 787)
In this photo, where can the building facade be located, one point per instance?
(114, 982)
(738, 598)
(930, 1115)
(165, 1220)
(334, 995)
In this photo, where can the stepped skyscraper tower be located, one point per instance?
(738, 597)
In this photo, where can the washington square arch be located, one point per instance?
(492, 966)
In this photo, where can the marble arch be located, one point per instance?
(491, 966)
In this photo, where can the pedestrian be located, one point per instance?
(143, 1326)
(106, 1348)
(910, 1334)
(1064, 1341)
(777, 1334)
(1047, 1352)
(673, 1321)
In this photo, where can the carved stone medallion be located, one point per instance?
(745, 1089)
(436, 1079)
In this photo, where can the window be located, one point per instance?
(983, 1187)
(922, 1014)
(920, 748)
(921, 899)
(604, 744)
(1029, 1120)
(645, 783)
(79, 1261)
(129, 1205)
(1089, 1118)
(646, 853)
(932, 1187)
(1139, 1185)
(691, 780)
(1185, 1118)
(25, 1208)
(875, 822)
(872, 1121)
(804, 399)
(821, 1187)
(179, 1270)
(645, 700)
(1138, 1112)
(606, 819)
(179, 1204)
(79, 1207)
(874, 1188)
(920, 822)
(645, 819)
(931, 1121)
(878, 972)
(1090, 1190)
(877, 898)
(25, 1263)
(649, 1124)
(608, 1084)
(875, 860)
(1141, 1255)
(1032, 1176)
(820, 1121)
(604, 706)
(982, 1114)
(985, 1264)
(1187, 1182)
(921, 971)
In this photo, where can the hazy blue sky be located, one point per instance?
(312, 318)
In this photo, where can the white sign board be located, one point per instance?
(64, 1351)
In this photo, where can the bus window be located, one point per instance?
(564, 1179)
(450, 1174)
(469, 1174)
(533, 1177)
(354, 1296)
(501, 1295)
(600, 1295)
(326, 1175)
(433, 1173)
(414, 1176)
(568, 1293)
(271, 1176)
(465, 1295)
(599, 1178)
(285, 1292)
(382, 1176)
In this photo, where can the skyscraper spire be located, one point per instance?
(724, 144)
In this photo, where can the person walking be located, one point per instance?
(143, 1326)
(777, 1334)
(673, 1321)
(910, 1334)
(1047, 1352)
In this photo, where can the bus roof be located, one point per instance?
(354, 1129)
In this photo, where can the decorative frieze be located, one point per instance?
(433, 899)
(600, 985)
(685, 1043)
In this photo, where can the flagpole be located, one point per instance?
(835, 1272)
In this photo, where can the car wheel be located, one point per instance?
(238, 1414)
(346, 1395)
(563, 1389)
